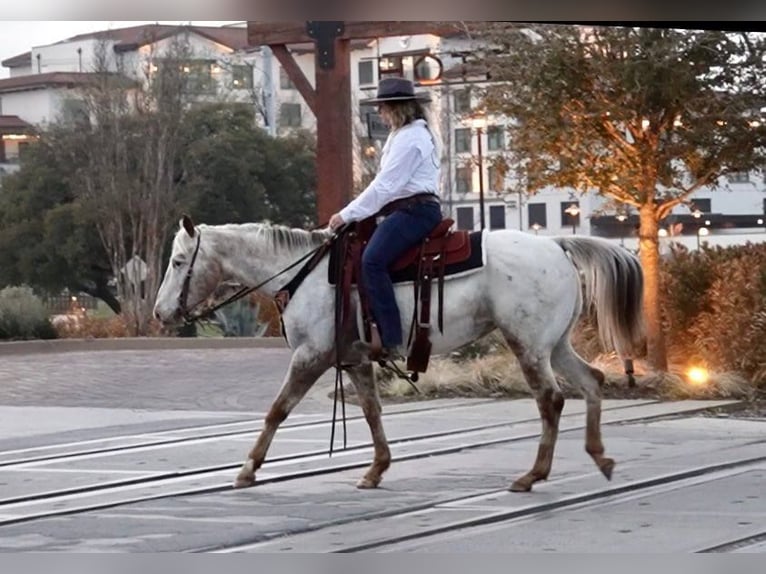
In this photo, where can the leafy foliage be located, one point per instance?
(23, 316)
(714, 305)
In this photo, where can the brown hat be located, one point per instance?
(397, 90)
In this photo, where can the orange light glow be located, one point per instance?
(697, 375)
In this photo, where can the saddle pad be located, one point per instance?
(410, 273)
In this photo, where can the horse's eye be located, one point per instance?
(177, 263)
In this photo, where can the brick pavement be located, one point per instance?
(208, 379)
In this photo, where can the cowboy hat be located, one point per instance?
(397, 90)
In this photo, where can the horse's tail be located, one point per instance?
(614, 285)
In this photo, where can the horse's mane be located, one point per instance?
(279, 237)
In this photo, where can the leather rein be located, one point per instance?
(183, 297)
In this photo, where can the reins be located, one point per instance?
(191, 318)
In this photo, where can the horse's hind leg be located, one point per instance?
(305, 368)
(539, 375)
(364, 380)
(571, 366)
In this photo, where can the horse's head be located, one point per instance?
(191, 277)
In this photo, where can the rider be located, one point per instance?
(406, 191)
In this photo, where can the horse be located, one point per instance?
(531, 288)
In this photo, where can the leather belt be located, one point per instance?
(406, 202)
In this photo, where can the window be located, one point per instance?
(462, 102)
(738, 177)
(284, 80)
(290, 115)
(568, 218)
(495, 138)
(242, 77)
(199, 76)
(2, 151)
(390, 66)
(497, 217)
(537, 214)
(366, 75)
(702, 204)
(465, 218)
(462, 140)
(463, 179)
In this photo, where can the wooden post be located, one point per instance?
(334, 136)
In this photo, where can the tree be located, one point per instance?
(643, 116)
(124, 152)
(234, 172)
(47, 240)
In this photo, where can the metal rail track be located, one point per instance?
(121, 488)
(77, 454)
(582, 500)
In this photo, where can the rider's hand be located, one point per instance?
(336, 221)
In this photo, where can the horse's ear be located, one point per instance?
(188, 225)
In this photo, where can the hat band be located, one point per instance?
(397, 95)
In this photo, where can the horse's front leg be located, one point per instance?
(364, 381)
(306, 366)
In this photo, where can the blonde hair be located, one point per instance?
(405, 112)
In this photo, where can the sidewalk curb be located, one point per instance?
(138, 344)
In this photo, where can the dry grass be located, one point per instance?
(498, 374)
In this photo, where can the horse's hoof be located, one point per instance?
(246, 476)
(366, 483)
(520, 485)
(244, 481)
(606, 467)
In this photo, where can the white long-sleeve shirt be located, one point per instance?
(408, 166)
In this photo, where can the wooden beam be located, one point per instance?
(294, 32)
(335, 178)
(296, 75)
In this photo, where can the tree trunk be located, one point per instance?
(649, 251)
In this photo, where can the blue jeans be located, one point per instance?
(396, 234)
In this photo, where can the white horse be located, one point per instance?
(530, 288)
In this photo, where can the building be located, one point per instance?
(223, 66)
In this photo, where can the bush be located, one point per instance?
(23, 316)
(714, 307)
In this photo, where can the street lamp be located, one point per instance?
(621, 217)
(479, 121)
(573, 211)
(536, 226)
(704, 231)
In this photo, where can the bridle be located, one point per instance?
(183, 297)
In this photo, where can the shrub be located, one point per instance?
(23, 315)
(714, 307)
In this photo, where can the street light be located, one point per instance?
(536, 226)
(573, 211)
(479, 121)
(621, 217)
(704, 231)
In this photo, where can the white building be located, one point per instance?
(42, 80)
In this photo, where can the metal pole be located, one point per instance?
(481, 180)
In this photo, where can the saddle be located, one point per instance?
(421, 263)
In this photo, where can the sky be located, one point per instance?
(17, 37)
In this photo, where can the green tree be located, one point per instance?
(643, 116)
(234, 172)
(46, 238)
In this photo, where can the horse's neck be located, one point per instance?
(252, 253)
